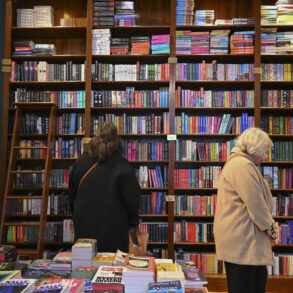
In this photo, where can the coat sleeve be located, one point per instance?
(72, 188)
(130, 192)
(246, 183)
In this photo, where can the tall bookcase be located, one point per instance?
(74, 43)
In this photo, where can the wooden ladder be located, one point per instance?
(35, 249)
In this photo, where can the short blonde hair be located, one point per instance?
(254, 141)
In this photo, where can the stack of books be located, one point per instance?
(268, 14)
(223, 22)
(183, 42)
(200, 43)
(62, 263)
(44, 50)
(140, 45)
(161, 44)
(23, 47)
(103, 12)
(43, 16)
(101, 42)
(284, 43)
(83, 252)
(284, 12)
(86, 273)
(139, 271)
(8, 253)
(124, 13)
(242, 42)
(170, 286)
(24, 17)
(169, 271)
(119, 46)
(219, 43)
(103, 258)
(185, 12)
(268, 40)
(204, 17)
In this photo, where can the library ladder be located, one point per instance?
(36, 248)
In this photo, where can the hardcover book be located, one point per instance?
(17, 286)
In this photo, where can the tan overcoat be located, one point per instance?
(243, 213)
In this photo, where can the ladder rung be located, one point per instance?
(28, 148)
(26, 172)
(24, 197)
(21, 223)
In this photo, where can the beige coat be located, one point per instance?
(243, 212)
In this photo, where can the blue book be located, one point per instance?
(165, 287)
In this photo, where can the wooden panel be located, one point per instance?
(154, 12)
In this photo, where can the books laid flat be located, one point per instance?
(6, 275)
(165, 287)
(83, 272)
(103, 258)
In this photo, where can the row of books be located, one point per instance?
(191, 150)
(67, 148)
(29, 180)
(277, 124)
(24, 207)
(130, 72)
(27, 153)
(34, 124)
(58, 204)
(193, 232)
(63, 99)
(277, 98)
(70, 123)
(156, 177)
(283, 205)
(226, 124)
(131, 98)
(212, 98)
(278, 177)
(214, 42)
(145, 150)
(43, 71)
(281, 151)
(203, 177)
(149, 124)
(286, 233)
(158, 231)
(55, 232)
(110, 13)
(195, 205)
(277, 72)
(59, 178)
(153, 204)
(38, 16)
(214, 71)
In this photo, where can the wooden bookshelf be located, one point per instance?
(152, 17)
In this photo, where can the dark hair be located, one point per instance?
(105, 143)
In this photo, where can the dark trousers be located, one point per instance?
(246, 278)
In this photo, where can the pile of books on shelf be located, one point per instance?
(219, 41)
(284, 43)
(124, 13)
(184, 12)
(200, 42)
(223, 22)
(39, 16)
(83, 252)
(242, 20)
(119, 46)
(268, 40)
(242, 42)
(23, 47)
(103, 12)
(140, 45)
(284, 12)
(204, 17)
(268, 14)
(183, 42)
(101, 42)
(160, 44)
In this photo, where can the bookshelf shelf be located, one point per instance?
(143, 135)
(157, 243)
(192, 243)
(47, 83)
(21, 223)
(199, 162)
(236, 109)
(196, 189)
(218, 57)
(25, 196)
(129, 109)
(194, 217)
(153, 216)
(148, 161)
(154, 188)
(215, 82)
(50, 58)
(215, 27)
(284, 218)
(49, 32)
(205, 134)
(143, 82)
(123, 58)
(69, 134)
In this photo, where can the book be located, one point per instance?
(83, 272)
(63, 256)
(165, 287)
(6, 275)
(103, 258)
(53, 288)
(119, 258)
(18, 286)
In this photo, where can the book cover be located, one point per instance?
(6, 275)
(165, 287)
(108, 274)
(119, 258)
(83, 272)
(17, 286)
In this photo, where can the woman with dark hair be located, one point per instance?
(104, 193)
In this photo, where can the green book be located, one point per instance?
(82, 272)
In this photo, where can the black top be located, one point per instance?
(107, 202)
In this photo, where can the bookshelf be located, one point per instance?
(74, 43)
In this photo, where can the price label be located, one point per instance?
(170, 197)
(171, 137)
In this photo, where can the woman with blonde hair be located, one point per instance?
(243, 224)
(104, 193)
